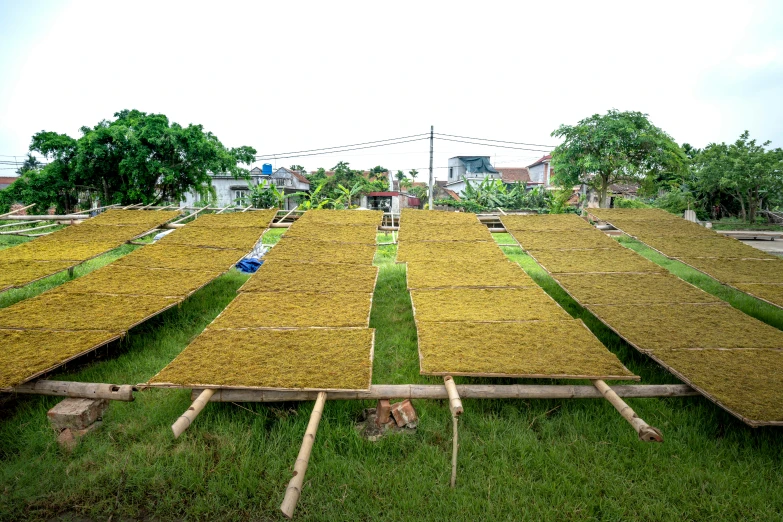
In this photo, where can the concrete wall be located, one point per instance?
(456, 170)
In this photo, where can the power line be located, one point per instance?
(493, 145)
(258, 158)
(498, 141)
(273, 156)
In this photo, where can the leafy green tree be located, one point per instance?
(413, 173)
(136, 158)
(400, 176)
(30, 163)
(298, 168)
(611, 148)
(378, 172)
(746, 170)
(349, 193)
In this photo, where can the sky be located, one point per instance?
(293, 76)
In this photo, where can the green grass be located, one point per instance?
(519, 460)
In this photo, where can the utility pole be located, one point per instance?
(432, 181)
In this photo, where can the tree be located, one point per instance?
(400, 175)
(313, 199)
(413, 173)
(266, 195)
(747, 171)
(136, 158)
(378, 172)
(615, 147)
(349, 193)
(298, 168)
(30, 163)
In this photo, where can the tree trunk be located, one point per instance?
(105, 192)
(604, 184)
(742, 206)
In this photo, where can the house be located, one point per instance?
(5, 181)
(232, 191)
(474, 169)
(478, 168)
(541, 171)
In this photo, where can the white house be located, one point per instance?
(232, 191)
(541, 171)
(478, 168)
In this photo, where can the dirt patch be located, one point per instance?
(342, 217)
(296, 310)
(24, 353)
(291, 276)
(140, 281)
(181, 257)
(290, 249)
(368, 428)
(486, 304)
(632, 289)
(545, 222)
(670, 326)
(562, 349)
(748, 382)
(294, 359)
(340, 233)
(241, 238)
(479, 252)
(252, 218)
(447, 274)
(60, 310)
(617, 259)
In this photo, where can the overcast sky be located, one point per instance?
(289, 76)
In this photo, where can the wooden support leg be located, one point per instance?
(187, 418)
(455, 405)
(646, 432)
(294, 490)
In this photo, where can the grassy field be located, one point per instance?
(519, 460)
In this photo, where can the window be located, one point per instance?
(451, 172)
(240, 197)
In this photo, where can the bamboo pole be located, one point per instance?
(17, 210)
(85, 390)
(279, 225)
(47, 217)
(455, 404)
(173, 226)
(466, 391)
(187, 418)
(289, 213)
(16, 232)
(454, 449)
(22, 224)
(294, 489)
(194, 214)
(247, 208)
(646, 432)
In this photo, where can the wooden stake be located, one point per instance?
(646, 432)
(187, 418)
(294, 490)
(454, 448)
(455, 404)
